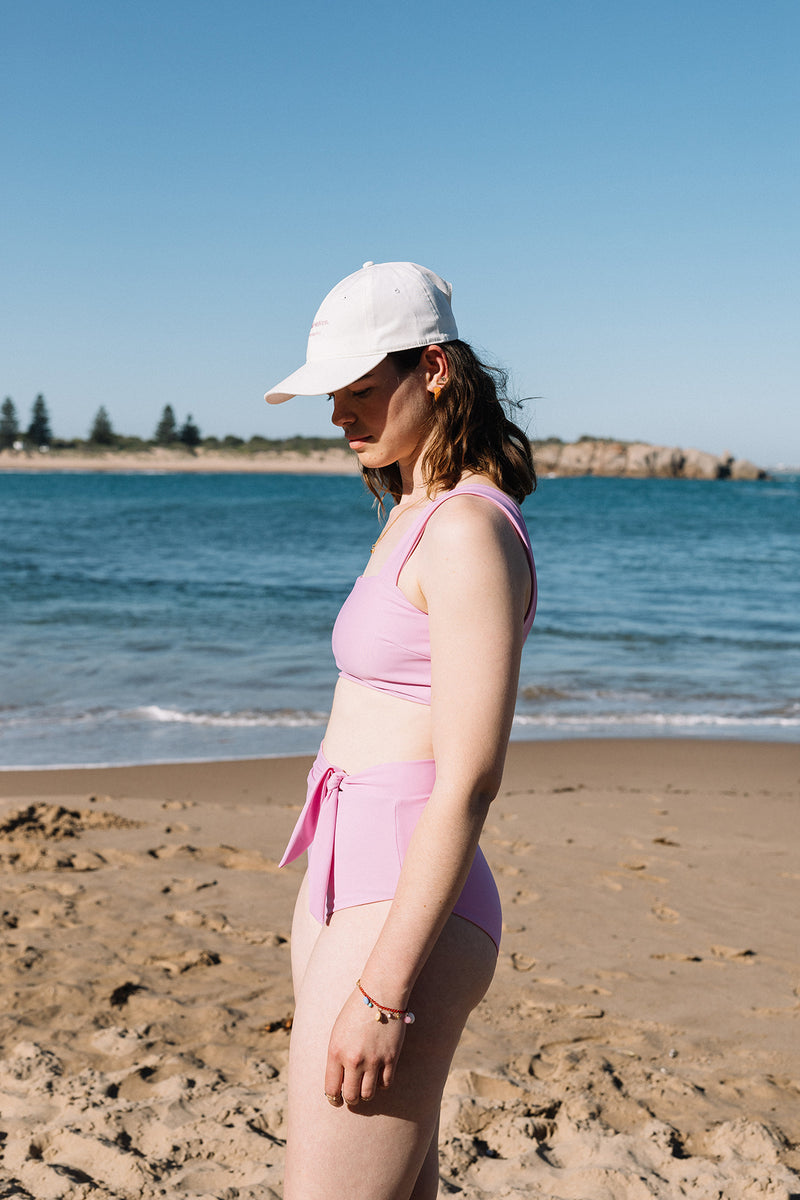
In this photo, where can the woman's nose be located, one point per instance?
(342, 413)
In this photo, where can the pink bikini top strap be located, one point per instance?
(406, 547)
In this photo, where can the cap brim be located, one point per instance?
(321, 378)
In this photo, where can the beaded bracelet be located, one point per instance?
(381, 1011)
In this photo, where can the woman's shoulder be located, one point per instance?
(475, 497)
(473, 510)
(470, 539)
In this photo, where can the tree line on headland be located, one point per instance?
(586, 456)
(38, 433)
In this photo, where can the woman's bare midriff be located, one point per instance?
(367, 727)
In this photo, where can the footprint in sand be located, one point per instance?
(662, 912)
(194, 919)
(732, 953)
(179, 964)
(217, 922)
(639, 868)
(513, 845)
(21, 857)
(218, 856)
(182, 887)
(584, 1012)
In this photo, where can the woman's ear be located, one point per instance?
(434, 363)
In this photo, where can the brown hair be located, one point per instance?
(470, 430)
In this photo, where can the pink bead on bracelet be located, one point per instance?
(381, 1011)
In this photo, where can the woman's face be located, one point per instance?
(385, 416)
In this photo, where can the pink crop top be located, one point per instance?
(380, 638)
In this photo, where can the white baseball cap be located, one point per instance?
(381, 308)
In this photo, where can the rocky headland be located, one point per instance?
(638, 460)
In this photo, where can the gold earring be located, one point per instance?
(437, 391)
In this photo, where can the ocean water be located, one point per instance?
(162, 617)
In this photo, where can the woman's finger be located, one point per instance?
(351, 1089)
(369, 1085)
(334, 1077)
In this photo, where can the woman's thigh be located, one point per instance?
(305, 931)
(375, 1151)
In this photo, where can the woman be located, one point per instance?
(397, 923)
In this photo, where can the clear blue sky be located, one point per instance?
(612, 186)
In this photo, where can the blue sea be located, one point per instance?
(166, 617)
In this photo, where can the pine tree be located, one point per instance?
(189, 434)
(167, 428)
(9, 426)
(102, 433)
(39, 431)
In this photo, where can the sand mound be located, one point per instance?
(27, 836)
(44, 820)
(587, 1133)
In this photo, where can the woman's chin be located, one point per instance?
(371, 456)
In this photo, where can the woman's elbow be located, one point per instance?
(485, 791)
(472, 778)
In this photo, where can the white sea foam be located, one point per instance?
(656, 721)
(284, 719)
(307, 719)
(95, 718)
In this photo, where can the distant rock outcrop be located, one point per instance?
(638, 460)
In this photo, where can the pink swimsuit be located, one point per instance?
(356, 827)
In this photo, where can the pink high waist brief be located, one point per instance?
(356, 829)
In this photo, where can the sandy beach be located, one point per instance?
(159, 459)
(640, 1038)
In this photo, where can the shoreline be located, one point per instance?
(160, 461)
(650, 740)
(600, 457)
(639, 1038)
(660, 748)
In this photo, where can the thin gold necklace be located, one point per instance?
(391, 524)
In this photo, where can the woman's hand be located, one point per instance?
(362, 1053)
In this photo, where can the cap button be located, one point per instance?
(368, 264)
